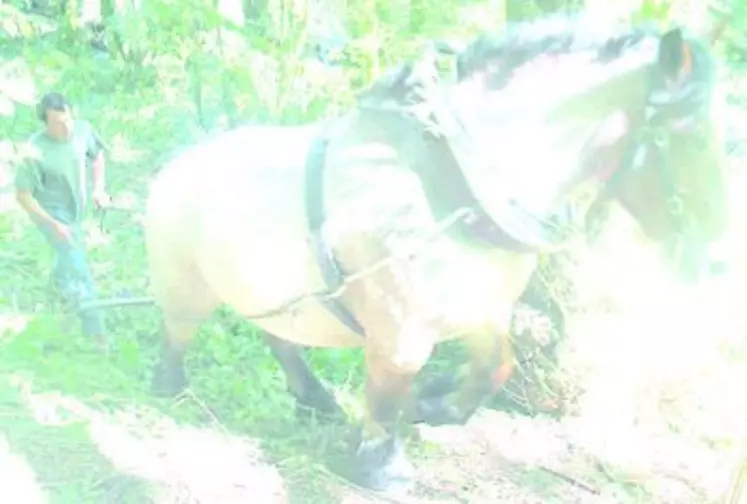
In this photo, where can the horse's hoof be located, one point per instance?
(384, 467)
(168, 385)
(436, 411)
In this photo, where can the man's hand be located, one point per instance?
(62, 232)
(101, 198)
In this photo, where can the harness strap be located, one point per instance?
(314, 202)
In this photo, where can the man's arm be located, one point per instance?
(34, 209)
(27, 180)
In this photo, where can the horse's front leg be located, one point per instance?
(492, 362)
(398, 343)
(380, 460)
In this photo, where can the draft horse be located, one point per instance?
(417, 217)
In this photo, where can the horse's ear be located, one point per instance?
(671, 57)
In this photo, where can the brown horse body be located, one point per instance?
(368, 205)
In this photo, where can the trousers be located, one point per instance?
(71, 273)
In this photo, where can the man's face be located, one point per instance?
(59, 124)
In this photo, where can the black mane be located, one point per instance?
(520, 42)
(517, 43)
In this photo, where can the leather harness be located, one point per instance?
(315, 216)
(513, 229)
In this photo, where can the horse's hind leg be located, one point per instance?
(186, 303)
(302, 383)
(169, 378)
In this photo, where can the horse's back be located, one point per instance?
(231, 171)
(232, 211)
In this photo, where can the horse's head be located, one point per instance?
(635, 109)
(673, 180)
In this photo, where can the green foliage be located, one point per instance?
(653, 10)
(174, 69)
(733, 16)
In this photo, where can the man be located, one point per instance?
(52, 186)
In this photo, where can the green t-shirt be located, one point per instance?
(57, 172)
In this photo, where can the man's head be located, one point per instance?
(56, 113)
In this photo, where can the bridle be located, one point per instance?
(669, 111)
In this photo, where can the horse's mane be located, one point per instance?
(522, 41)
(519, 42)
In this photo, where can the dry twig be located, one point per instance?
(570, 479)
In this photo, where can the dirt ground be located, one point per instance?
(58, 449)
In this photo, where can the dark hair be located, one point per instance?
(51, 101)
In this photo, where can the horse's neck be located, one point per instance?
(497, 162)
(504, 155)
